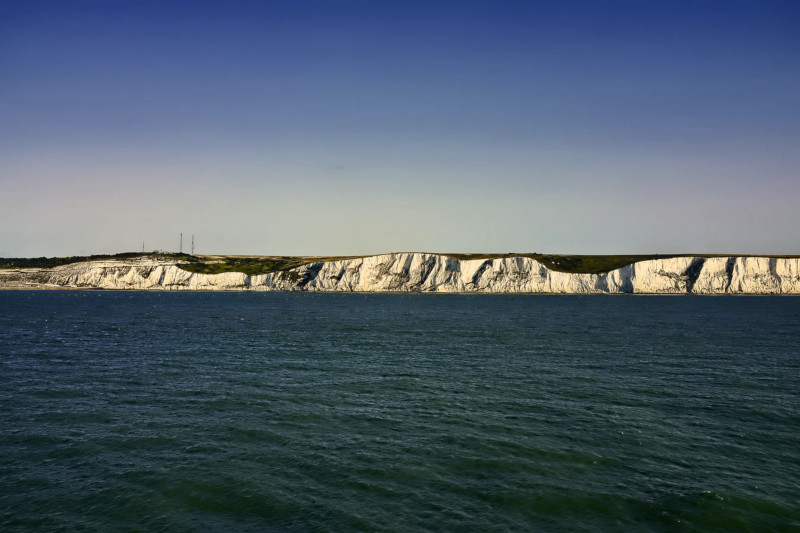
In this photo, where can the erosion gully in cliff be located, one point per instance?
(425, 272)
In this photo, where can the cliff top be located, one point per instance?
(253, 265)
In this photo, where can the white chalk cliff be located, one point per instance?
(422, 272)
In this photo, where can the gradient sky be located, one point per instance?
(327, 128)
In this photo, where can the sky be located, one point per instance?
(345, 128)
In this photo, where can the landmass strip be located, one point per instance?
(415, 272)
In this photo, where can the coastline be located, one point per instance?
(425, 273)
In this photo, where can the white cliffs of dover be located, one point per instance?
(423, 272)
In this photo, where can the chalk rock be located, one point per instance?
(423, 272)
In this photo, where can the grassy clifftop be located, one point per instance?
(250, 265)
(597, 264)
(254, 265)
(587, 264)
(50, 262)
(578, 264)
(573, 264)
(204, 264)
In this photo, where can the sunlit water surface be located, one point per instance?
(351, 412)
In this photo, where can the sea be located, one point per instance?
(306, 412)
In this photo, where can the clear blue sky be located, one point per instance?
(366, 127)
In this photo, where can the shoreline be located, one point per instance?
(398, 293)
(51, 288)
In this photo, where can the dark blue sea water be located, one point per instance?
(145, 411)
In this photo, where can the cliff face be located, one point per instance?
(420, 272)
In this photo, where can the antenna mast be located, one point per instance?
(192, 243)
(181, 242)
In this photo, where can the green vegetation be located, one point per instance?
(204, 264)
(254, 265)
(50, 262)
(250, 265)
(592, 264)
(595, 264)
(575, 264)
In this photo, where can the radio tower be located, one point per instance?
(192, 243)
(181, 242)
